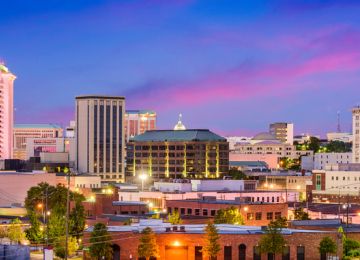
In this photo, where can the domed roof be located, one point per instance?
(264, 136)
(179, 125)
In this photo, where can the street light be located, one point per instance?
(142, 177)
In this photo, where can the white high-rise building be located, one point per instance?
(356, 134)
(6, 112)
(100, 139)
(283, 132)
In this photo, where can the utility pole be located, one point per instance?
(46, 215)
(67, 214)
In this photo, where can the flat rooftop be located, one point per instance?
(159, 227)
(227, 202)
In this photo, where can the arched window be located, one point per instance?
(242, 252)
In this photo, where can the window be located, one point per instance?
(269, 216)
(213, 212)
(256, 253)
(197, 212)
(258, 216)
(300, 253)
(205, 212)
(198, 253)
(227, 253)
(318, 181)
(242, 252)
(286, 253)
(182, 211)
(250, 216)
(189, 211)
(277, 215)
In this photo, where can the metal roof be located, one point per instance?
(248, 163)
(140, 111)
(178, 135)
(43, 126)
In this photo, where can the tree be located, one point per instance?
(3, 233)
(148, 246)
(327, 246)
(230, 215)
(56, 197)
(77, 220)
(35, 233)
(272, 242)
(15, 233)
(313, 144)
(212, 246)
(280, 222)
(338, 147)
(100, 242)
(237, 174)
(350, 245)
(300, 214)
(174, 218)
(59, 247)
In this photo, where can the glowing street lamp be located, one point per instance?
(142, 177)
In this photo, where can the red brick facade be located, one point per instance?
(128, 243)
(256, 214)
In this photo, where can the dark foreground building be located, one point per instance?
(193, 153)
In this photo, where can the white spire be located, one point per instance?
(179, 125)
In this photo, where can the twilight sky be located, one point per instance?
(231, 66)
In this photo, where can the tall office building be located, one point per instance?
(100, 142)
(284, 132)
(356, 134)
(22, 132)
(139, 121)
(6, 112)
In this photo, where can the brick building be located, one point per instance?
(254, 214)
(194, 153)
(107, 203)
(236, 242)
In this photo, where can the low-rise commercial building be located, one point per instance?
(265, 143)
(254, 213)
(236, 242)
(321, 160)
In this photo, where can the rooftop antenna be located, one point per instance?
(338, 122)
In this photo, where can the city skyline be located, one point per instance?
(233, 68)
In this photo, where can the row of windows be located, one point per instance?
(242, 253)
(344, 178)
(212, 213)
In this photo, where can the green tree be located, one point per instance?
(100, 238)
(15, 232)
(148, 246)
(327, 246)
(338, 147)
(350, 245)
(56, 197)
(230, 215)
(35, 234)
(77, 220)
(59, 247)
(3, 233)
(300, 214)
(273, 241)
(280, 222)
(174, 218)
(313, 144)
(237, 174)
(212, 246)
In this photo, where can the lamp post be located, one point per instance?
(142, 177)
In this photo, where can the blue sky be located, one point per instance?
(231, 66)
